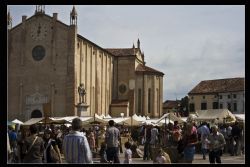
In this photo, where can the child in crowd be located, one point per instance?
(128, 153)
(162, 157)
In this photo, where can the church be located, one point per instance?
(48, 60)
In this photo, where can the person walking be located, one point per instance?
(236, 134)
(12, 138)
(216, 144)
(190, 139)
(204, 132)
(20, 143)
(112, 137)
(204, 145)
(91, 140)
(33, 146)
(154, 136)
(147, 138)
(75, 145)
(51, 151)
(229, 140)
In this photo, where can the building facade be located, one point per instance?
(218, 94)
(171, 106)
(48, 60)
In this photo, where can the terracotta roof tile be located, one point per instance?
(219, 86)
(143, 68)
(169, 104)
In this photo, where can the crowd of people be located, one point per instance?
(78, 145)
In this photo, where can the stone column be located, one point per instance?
(145, 95)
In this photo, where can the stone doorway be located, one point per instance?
(36, 114)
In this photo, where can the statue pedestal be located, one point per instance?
(81, 107)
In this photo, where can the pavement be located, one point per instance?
(198, 159)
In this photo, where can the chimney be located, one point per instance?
(55, 16)
(24, 18)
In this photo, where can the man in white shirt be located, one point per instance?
(216, 144)
(75, 145)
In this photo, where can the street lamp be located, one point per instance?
(122, 114)
(178, 109)
(165, 132)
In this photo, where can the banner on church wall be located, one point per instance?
(47, 109)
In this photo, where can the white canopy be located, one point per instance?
(33, 121)
(67, 125)
(102, 116)
(86, 120)
(120, 120)
(184, 119)
(139, 118)
(215, 115)
(149, 121)
(135, 117)
(61, 119)
(16, 121)
(240, 117)
(135, 122)
(107, 116)
(171, 117)
(97, 116)
(156, 122)
(68, 119)
(163, 122)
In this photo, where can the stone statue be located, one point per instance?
(81, 92)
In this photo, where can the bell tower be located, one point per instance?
(40, 9)
(73, 17)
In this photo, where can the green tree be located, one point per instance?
(184, 106)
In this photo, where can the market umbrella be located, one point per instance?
(16, 121)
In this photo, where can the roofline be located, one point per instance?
(172, 101)
(134, 55)
(34, 16)
(104, 50)
(224, 79)
(149, 72)
(78, 35)
(208, 93)
(124, 55)
(213, 92)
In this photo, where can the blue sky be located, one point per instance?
(187, 43)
